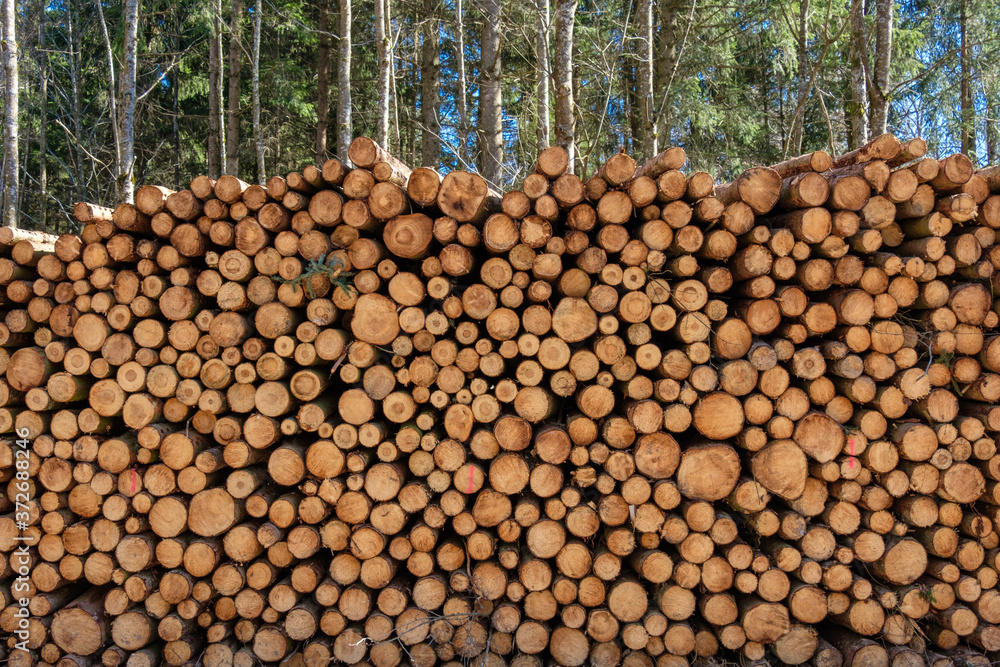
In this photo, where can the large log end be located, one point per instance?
(212, 512)
(375, 320)
(708, 472)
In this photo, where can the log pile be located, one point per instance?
(377, 416)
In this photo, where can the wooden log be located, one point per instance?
(708, 472)
(884, 147)
(672, 158)
(81, 627)
(408, 236)
(759, 188)
(953, 171)
(818, 161)
(466, 197)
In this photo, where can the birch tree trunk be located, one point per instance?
(216, 141)
(857, 107)
(257, 137)
(490, 96)
(394, 93)
(883, 60)
(127, 130)
(463, 104)
(10, 121)
(344, 82)
(544, 72)
(647, 107)
(323, 82)
(235, 77)
(382, 50)
(563, 78)
(968, 128)
(430, 76)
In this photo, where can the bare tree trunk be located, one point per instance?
(670, 37)
(257, 136)
(632, 130)
(73, 35)
(113, 105)
(216, 129)
(647, 106)
(24, 190)
(968, 129)
(43, 145)
(576, 77)
(857, 106)
(798, 121)
(382, 82)
(175, 89)
(10, 121)
(430, 79)
(490, 96)
(323, 82)
(993, 128)
(463, 104)
(883, 60)
(544, 71)
(344, 82)
(563, 78)
(235, 72)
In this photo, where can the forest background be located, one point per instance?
(99, 96)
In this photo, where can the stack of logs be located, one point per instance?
(375, 416)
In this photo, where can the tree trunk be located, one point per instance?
(382, 86)
(670, 36)
(127, 123)
(175, 101)
(883, 60)
(25, 190)
(563, 78)
(430, 76)
(630, 98)
(216, 140)
(490, 97)
(798, 122)
(10, 121)
(968, 129)
(323, 82)
(394, 93)
(43, 147)
(116, 124)
(462, 96)
(646, 107)
(257, 136)
(344, 82)
(857, 106)
(235, 71)
(543, 72)
(73, 28)
(993, 128)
